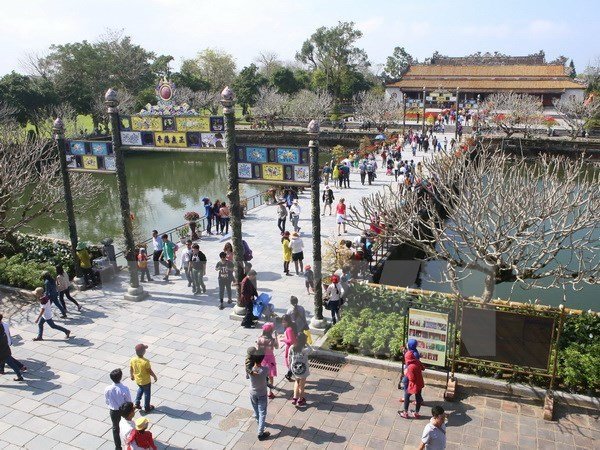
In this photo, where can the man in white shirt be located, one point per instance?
(434, 433)
(116, 395)
(186, 255)
(295, 211)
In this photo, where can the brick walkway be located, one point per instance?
(356, 408)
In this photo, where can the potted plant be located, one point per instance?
(192, 217)
(184, 232)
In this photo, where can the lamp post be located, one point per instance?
(423, 124)
(478, 118)
(456, 117)
(233, 195)
(403, 112)
(317, 323)
(135, 292)
(58, 131)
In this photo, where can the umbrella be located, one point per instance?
(380, 137)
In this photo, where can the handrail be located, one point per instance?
(252, 202)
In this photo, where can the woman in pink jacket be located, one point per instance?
(289, 338)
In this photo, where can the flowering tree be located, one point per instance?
(308, 105)
(507, 218)
(511, 112)
(577, 113)
(375, 107)
(31, 183)
(270, 104)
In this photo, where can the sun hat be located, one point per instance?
(141, 423)
(295, 234)
(268, 327)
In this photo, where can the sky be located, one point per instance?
(181, 28)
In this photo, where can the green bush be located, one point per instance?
(18, 272)
(41, 250)
(580, 369)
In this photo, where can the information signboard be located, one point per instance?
(172, 131)
(430, 329)
(90, 156)
(273, 165)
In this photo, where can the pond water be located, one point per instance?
(162, 187)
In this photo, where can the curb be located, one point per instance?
(520, 389)
(15, 290)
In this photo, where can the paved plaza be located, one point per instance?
(198, 354)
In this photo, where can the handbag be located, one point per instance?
(326, 305)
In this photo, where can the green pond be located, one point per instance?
(163, 186)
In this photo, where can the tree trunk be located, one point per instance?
(490, 285)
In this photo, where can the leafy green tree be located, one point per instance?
(216, 67)
(25, 95)
(285, 81)
(572, 71)
(332, 51)
(397, 64)
(352, 83)
(246, 86)
(189, 77)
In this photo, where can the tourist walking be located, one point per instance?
(371, 167)
(258, 390)
(62, 285)
(326, 173)
(295, 211)
(298, 358)
(345, 171)
(142, 263)
(157, 244)
(186, 255)
(434, 433)
(6, 328)
(216, 208)
(290, 334)
(281, 216)
(225, 277)
(115, 396)
(298, 314)
(287, 252)
(127, 425)
(6, 354)
(208, 214)
(45, 316)
(340, 212)
(197, 270)
(140, 371)
(228, 249)
(168, 254)
(297, 245)
(336, 176)
(51, 291)
(333, 296)
(309, 279)
(327, 199)
(414, 373)
(248, 293)
(224, 214)
(266, 345)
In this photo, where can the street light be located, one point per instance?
(478, 118)
(135, 292)
(456, 117)
(58, 131)
(317, 323)
(423, 124)
(233, 195)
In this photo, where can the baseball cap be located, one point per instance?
(140, 347)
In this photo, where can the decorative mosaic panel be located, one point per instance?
(273, 165)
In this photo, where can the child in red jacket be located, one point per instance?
(414, 373)
(141, 436)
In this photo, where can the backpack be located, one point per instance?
(247, 251)
(298, 364)
(369, 167)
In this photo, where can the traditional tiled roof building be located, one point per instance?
(484, 74)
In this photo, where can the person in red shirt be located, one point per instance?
(414, 373)
(141, 436)
(340, 211)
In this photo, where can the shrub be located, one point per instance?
(18, 272)
(579, 368)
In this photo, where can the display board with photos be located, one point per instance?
(192, 132)
(430, 329)
(273, 165)
(93, 156)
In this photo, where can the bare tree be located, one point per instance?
(375, 107)
(511, 112)
(307, 105)
(31, 183)
(270, 104)
(7, 113)
(537, 224)
(577, 112)
(268, 62)
(44, 118)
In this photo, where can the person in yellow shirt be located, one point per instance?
(140, 371)
(287, 252)
(85, 263)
